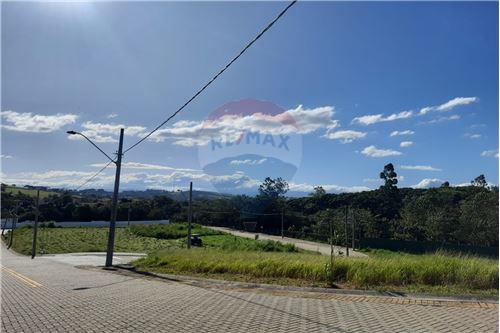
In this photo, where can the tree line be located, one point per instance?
(466, 215)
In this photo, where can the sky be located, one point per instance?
(328, 96)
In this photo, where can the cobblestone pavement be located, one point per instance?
(44, 295)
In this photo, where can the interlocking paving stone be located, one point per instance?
(77, 300)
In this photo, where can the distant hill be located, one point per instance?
(29, 190)
(146, 194)
(100, 193)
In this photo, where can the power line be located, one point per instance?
(216, 75)
(95, 175)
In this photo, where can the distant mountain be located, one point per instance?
(149, 193)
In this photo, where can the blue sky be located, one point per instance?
(349, 74)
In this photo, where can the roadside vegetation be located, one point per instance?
(435, 273)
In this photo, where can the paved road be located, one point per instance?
(300, 243)
(47, 295)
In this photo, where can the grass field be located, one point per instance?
(30, 192)
(68, 240)
(135, 239)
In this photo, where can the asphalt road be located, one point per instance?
(52, 295)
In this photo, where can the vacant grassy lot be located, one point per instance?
(141, 238)
(67, 240)
(438, 273)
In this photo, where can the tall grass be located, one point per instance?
(170, 231)
(428, 270)
(228, 242)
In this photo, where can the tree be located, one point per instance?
(389, 175)
(318, 192)
(273, 188)
(478, 224)
(445, 184)
(479, 181)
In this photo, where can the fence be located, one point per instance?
(70, 224)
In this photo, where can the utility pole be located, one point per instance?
(35, 227)
(128, 215)
(114, 206)
(331, 248)
(353, 218)
(346, 232)
(282, 224)
(13, 225)
(190, 214)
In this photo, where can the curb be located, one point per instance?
(402, 298)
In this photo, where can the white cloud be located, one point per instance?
(112, 115)
(107, 133)
(346, 136)
(406, 132)
(304, 187)
(145, 166)
(248, 162)
(450, 105)
(372, 180)
(405, 144)
(428, 183)
(35, 123)
(419, 167)
(377, 118)
(231, 127)
(490, 153)
(373, 151)
(472, 135)
(6, 156)
(113, 129)
(441, 119)
(52, 178)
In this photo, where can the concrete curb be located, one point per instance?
(206, 282)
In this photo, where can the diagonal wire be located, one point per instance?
(95, 175)
(216, 75)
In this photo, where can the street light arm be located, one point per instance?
(92, 143)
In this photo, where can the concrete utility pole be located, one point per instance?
(353, 229)
(128, 214)
(114, 207)
(346, 232)
(190, 214)
(13, 225)
(330, 224)
(282, 225)
(35, 227)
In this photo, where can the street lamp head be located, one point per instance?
(71, 132)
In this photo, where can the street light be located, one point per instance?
(92, 143)
(114, 206)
